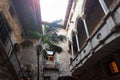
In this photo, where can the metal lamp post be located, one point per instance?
(38, 50)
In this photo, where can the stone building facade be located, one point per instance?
(64, 60)
(13, 57)
(58, 64)
(10, 27)
(93, 37)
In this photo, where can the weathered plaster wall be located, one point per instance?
(64, 60)
(13, 21)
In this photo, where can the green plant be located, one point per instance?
(35, 34)
(44, 52)
(56, 38)
(55, 48)
(51, 38)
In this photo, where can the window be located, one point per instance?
(69, 45)
(94, 15)
(46, 77)
(113, 67)
(82, 37)
(71, 60)
(50, 58)
(74, 44)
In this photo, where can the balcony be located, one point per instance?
(103, 40)
(51, 65)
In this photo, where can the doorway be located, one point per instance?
(47, 78)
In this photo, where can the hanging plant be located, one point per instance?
(35, 34)
(56, 48)
(45, 56)
(39, 51)
(26, 43)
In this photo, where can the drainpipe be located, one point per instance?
(38, 67)
(39, 49)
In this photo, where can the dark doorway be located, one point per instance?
(47, 78)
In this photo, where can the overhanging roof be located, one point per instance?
(29, 14)
(68, 11)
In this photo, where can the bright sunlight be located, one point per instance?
(53, 9)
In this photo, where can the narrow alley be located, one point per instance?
(81, 42)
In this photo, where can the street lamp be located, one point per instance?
(38, 50)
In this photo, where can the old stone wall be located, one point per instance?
(52, 73)
(63, 64)
(64, 60)
(29, 57)
(7, 71)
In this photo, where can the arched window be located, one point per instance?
(82, 37)
(94, 15)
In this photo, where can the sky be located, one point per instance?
(52, 10)
(50, 52)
